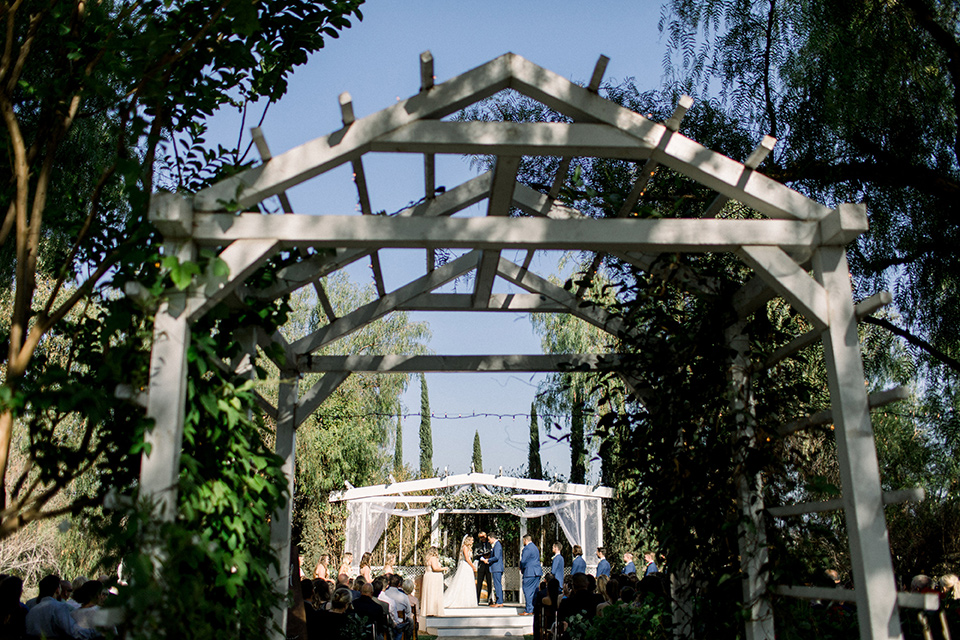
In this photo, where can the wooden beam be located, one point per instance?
(242, 258)
(498, 205)
(874, 400)
(907, 600)
(508, 302)
(319, 392)
(863, 309)
(426, 71)
(468, 363)
(598, 71)
(371, 311)
(537, 204)
(756, 158)
(783, 275)
(377, 232)
(512, 139)
(803, 508)
(322, 154)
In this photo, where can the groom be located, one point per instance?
(496, 568)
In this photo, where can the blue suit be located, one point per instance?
(532, 570)
(603, 568)
(579, 565)
(557, 567)
(496, 571)
(630, 568)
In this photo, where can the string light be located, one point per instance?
(459, 416)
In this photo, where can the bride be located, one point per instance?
(462, 592)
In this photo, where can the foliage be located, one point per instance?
(534, 466)
(426, 434)
(477, 459)
(475, 500)
(646, 619)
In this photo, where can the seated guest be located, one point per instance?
(90, 595)
(600, 592)
(306, 589)
(370, 610)
(580, 602)
(390, 607)
(339, 623)
(549, 605)
(51, 618)
(402, 603)
(612, 595)
(13, 613)
(410, 589)
(321, 594)
(358, 582)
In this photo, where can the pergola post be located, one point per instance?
(876, 592)
(752, 536)
(280, 534)
(435, 529)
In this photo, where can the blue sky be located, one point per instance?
(377, 62)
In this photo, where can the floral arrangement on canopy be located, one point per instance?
(475, 500)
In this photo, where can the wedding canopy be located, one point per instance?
(577, 507)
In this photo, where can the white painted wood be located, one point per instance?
(537, 204)
(280, 522)
(460, 363)
(242, 257)
(755, 160)
(874, 400)
(803, 508)
(464, 479)
(435, 529)
(512, 139)
(316, 395)
(561, 177)
(167, 388)
(909, 600)
(873, 575)
(844, 224)
(378, 308)
(322, 154)
(506, 302)
(368, 232)
(751, 296)
(707, 167)
(172, 214)
(785, 276)
(598, 71)
(426, 71)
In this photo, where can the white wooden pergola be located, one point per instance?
(796, 251)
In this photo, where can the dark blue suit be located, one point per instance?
(557, 567)
(532, 570)
(496, 570)
(579, 566)
(603, 568)
(630, 568)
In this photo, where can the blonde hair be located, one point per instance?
(432, 552)
(950, 585)
(602, 585)
(391, 558)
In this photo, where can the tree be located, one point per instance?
(94, 97)
(398, 446)
(426, 435)
(578, 453)
(477, 460)
(534, 466)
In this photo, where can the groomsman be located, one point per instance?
(532, 571)
(630, 567)
(557, 567)
(496, 568)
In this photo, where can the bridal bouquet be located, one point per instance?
(448, 562)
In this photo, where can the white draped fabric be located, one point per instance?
(580, 521)
(366, 522)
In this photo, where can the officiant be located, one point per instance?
(482, 551)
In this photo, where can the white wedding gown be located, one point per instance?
(462, 591)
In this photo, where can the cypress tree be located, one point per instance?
(398, 446)
(578, 466)
(477, 456)
(534, 466)
(426, 435)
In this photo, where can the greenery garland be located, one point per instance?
(475, 500)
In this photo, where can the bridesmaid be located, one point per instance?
(322, 572)
(431, 592)
(388, 565)
(365, 571)
(346, 566)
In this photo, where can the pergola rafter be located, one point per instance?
(796, 251)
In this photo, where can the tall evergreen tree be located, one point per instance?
(534, 466)
(477, 456)
(578, 454)
(426, 435)
(398, 446)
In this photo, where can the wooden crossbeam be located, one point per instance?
(835, 504)
(783, 275)
(468, 363)
(498, 205)
(426, 71)
(598, 71)
(316, 395)
(377, 232)
(908, 600)
(863, 309)
(507, 302)
(755, 160)
(242, 258)
(371, 311)
(874, 400)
